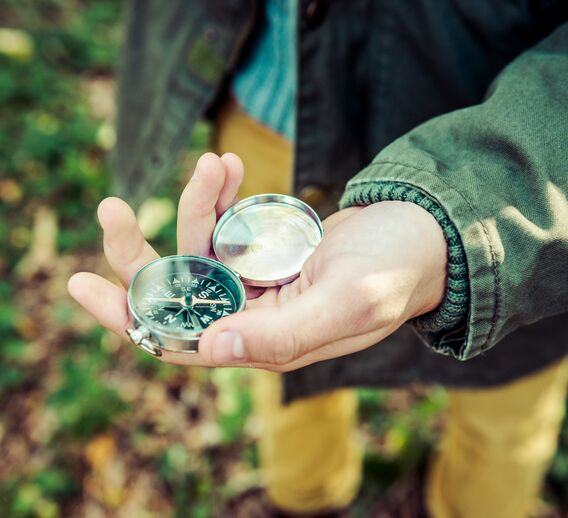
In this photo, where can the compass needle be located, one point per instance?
(195, 301)
(178, 300)
(194, 320)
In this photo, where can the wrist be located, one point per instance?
(428, 242)
(455, 304)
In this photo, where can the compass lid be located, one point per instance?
(267, 238)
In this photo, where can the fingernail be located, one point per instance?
(228, 347)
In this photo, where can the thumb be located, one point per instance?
(275, 336)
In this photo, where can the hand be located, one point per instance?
(376, 268)
(210, 192)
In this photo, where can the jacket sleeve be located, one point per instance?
(499, 170)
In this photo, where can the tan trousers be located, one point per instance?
(497, 444)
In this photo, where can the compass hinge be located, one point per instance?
(142, 338)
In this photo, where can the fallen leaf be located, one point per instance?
(16, 44)
(42, 251)
(99, 451)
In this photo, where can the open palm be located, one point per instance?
(375, 268)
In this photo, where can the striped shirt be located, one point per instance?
(265, 84)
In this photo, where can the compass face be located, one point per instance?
(184, 294)
(187, 301)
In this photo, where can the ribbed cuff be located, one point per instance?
(453, 310)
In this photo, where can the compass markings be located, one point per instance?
(183, 311)
(206, 319)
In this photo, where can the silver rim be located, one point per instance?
(182, 335)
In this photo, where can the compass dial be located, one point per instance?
(186, 301)
(184, 294)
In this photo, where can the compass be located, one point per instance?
(261, 241)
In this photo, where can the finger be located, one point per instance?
(196, 211)
(102, 299)
(125, 248)
(280, 334)
(234, 173)
(263, 297)
(254, 293)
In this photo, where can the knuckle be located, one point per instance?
(283, 351)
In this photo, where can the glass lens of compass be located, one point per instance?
(267, 238)
(184, 293)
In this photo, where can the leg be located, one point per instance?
(309, 455)
(497, 446)
(308, 450)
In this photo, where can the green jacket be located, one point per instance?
(464, 100)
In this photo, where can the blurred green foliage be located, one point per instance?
(48, 136)
(51, 154)
(83, 403)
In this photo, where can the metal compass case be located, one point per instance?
(261, 241)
